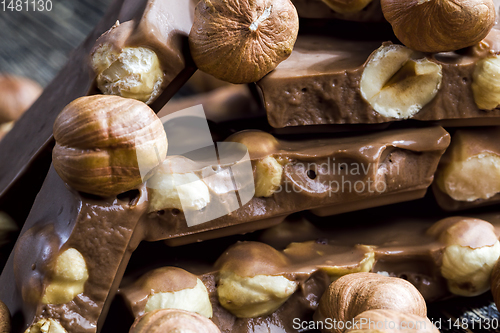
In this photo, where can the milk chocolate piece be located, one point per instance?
(106, 231)
(319, 84)
(328, 176)
(472, 146)
(28, 156)
(317, 9)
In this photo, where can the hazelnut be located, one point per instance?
(355, 293)
(16, 96)
(471, 250)
(67, 279)
(4, 318)
(106, 145)
(391, 321)
(172, 321)
(469, 170)
(46, 326)
(132, 72)
(268, 173)
(486, 83)
(397, 82)
(439, 26)
(242, 41)
(170, 288)
(495, 283)
(169, 189)
(251, 280)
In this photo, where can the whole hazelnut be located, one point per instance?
(391, 321)
(439, 25)
(355, 293)
(242, 41)
(106, 145)
(16, 96)
(172, 321)
(4, 318)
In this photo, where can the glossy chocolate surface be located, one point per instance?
(319, 84)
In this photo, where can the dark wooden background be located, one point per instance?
(37, 44)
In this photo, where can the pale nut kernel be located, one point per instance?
(486, 83)
(268, 173)
(46, 326)
(250, 297)
(391, 321)
(182, 191)
(190, 299)
(476, 177)
(173, 321)
(355, 293)
(67, 279)
(439, 26)
(472, 249)
(132, 72)
(107, 145)
(397, 83)
(242, 41)
(347, 6)
(251, 280)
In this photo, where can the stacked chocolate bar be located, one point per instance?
(353, 122)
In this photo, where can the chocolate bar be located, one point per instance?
(360, 11)
(328, 80)
(411, 248)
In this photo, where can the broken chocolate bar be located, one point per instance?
(329, 80)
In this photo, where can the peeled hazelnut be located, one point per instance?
(347, 6)
(495, 283)
(472, 249)
(106, 145)
(398, 82)
(173, 321)
(486, 83)
(251, 280)
(355, 293)
(469, 169)
(268, 173)
(391, 321)
(68, 278)
(171, 288)
(170, 189)
(16, 96)
(242, 41)
(439, 26)
(46, 326)
(4, 318)
(132, 72)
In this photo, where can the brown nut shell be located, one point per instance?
(439, 25)
(241, 41)
(171, 321)
(4, 318)
(103, 143)
(391, 321)
(355, 293)
(16, 96)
